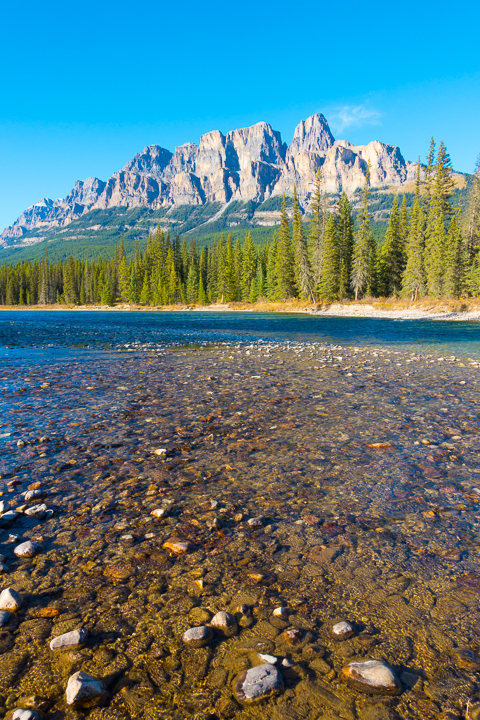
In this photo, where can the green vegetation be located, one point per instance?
(430, 249)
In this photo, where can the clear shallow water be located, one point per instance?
(363, 461)
(115, 329)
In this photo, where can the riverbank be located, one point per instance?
(395, 309)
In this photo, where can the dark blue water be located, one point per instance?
(116, 330)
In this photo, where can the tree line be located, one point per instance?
(430, 250)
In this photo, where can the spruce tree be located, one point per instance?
(439, 214)
(472, 225)
(284, 267)
(249, 266)
(272, 281)
(317, 230)
(344, 222)
(302, 271)
(363, 271)
(391, 261)
(329, 284)
(413, 278)
(454, 279)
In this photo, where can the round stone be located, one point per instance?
(82, 687)
(197, 637)
(294, 636)
(10, 600)
(74, 638)
(371, 676)
(224, 623)
(24, 714)
(36, 510)
(177, 546)
(255, 522)
(258, 683)
(281, 612)
(27, 549)
(342, 630)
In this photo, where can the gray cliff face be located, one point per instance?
(246, 164)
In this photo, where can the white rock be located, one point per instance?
(268, 658)
(20, 444)
(31, 494)
(82, 687)
(287, 663)
(36, 510)
(159, 512)
(27, 549)
(10, 600)
(342, 630)
(255, 522)
(2, 506)
(160, 451)
(281, 612)
(9, 515)
(259, 682)
(371, 676)
(69, 639)
(197, 636)
(22, 714)
(223, 619)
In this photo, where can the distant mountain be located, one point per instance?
(226, 180)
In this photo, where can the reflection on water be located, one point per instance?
(364, 465)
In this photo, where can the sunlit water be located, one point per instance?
(355, 439)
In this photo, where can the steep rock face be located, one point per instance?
(311, 135)
(245, 164)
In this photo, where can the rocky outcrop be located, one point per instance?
(245, 164)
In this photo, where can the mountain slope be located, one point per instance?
(198, 184)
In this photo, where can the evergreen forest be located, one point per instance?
(431, 249)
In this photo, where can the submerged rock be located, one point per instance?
(224, 623)
(28, 549)
(36, 510)
(178, 546)
(24, 714)
(371, 676)
(342, 630)
(10, 600)
(197, 637)
(258, 683)
(82, 688)
(74, 638)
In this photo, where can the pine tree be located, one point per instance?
(106, 297)
(249, 266)
(69, 286)
(439, 214)
(317, 230)
(272, 282)
(329, 285)
(302, 271)
(391, 261)
(363, 263)
(344, 222)
(454, 279)
(284, 266)
(472, 225)
(413, 279)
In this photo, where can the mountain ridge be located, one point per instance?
(246, 164)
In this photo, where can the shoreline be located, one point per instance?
(395, 310)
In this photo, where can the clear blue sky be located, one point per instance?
(84, 86)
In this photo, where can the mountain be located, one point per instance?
(247, 165)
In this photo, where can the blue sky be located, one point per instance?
(84, 86)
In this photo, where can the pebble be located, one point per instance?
(22, 714)
(159, 512)
(271, 659)
(281, 612)
(2, 506)
(198, 636)
(74, 638)
(255, 522)
(27, 549)
(20, 444)
(4, 617)
(160, 451)
(342, 630)
(294, 636)
(287, 663)
(10, 600)
(9, 515)
(82, 687)
(36, 510)
(31, 494)
(371, 676)
(225, 624)
(178, 546)
(258, 683)
(3, 568)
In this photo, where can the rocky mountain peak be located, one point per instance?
(311, 135)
